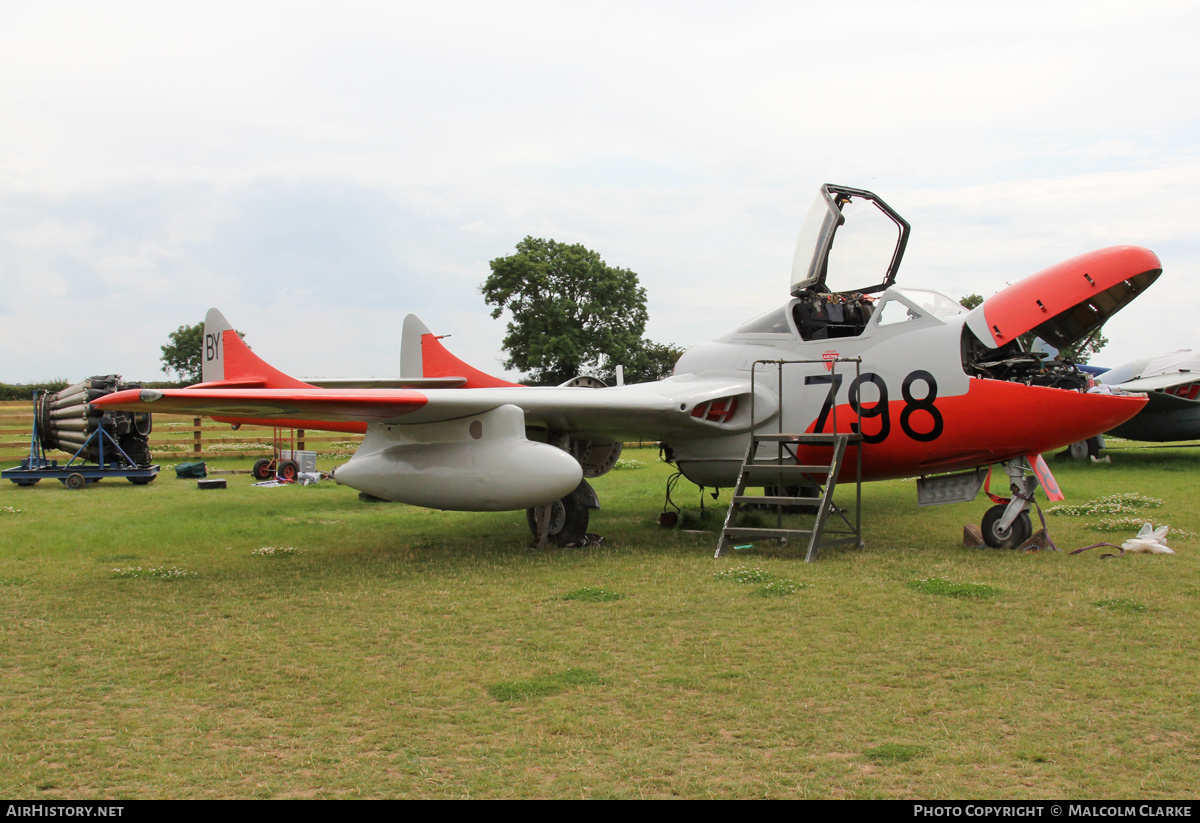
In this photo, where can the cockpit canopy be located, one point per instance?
(822, 317)
(865, 261)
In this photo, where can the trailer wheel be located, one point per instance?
(262, 469)
(289, 469)
(141, 481)
(75, 481)
(26, 482)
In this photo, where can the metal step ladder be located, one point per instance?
(785, 468)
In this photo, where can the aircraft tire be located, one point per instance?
(1009, 538)
(568, 519)
(1083, 451)
(262, 469)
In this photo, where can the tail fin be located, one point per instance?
(422, 355)
(227, 361)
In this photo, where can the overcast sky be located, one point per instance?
(318, 171)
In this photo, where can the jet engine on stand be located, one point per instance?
(66, 420)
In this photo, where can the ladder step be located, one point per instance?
(818, 439)
(767, 469)
(746, 531)
(810, 502)
(851, 538)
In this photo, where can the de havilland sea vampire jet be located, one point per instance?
(935, 388)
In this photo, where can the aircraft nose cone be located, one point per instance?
(1037, 419)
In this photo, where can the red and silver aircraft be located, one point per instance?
(937, 389)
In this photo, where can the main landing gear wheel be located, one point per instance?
(1009, 538)
(568, 520)
(1084, 450)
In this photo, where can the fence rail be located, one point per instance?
(183, 436)
(187, 437)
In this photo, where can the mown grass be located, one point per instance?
(387, 651)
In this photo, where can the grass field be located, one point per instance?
(166, 642)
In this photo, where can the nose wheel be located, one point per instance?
(1007, 525)
(998, 537)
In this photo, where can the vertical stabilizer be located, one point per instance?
(411, 366)
(227, 360)
(212, 364)
(423, 355)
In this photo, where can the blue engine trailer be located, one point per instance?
(109, 459)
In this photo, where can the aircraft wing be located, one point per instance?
(1160, 382)
(649, 410)
(1172, 381)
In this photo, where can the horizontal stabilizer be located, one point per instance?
(389, 383)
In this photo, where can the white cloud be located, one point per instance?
(318, 174)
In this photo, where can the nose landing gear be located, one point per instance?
(1007, 525)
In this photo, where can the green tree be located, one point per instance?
(181, 355)
(1079, 353)
(572, 313)
(651, 361)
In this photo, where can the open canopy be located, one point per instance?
(865, 261)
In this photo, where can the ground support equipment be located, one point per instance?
(790, 472)
(784, 470)
(285, 464)
(110, 461)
